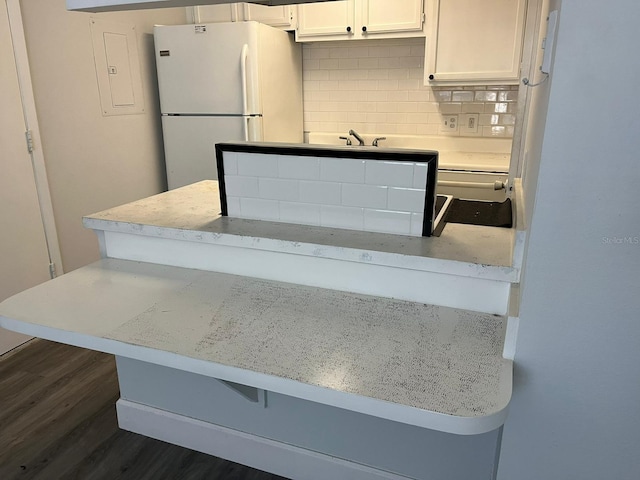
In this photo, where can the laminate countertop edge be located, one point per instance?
(183, 215)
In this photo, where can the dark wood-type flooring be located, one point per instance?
(58, 421)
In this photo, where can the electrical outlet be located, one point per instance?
(469, 123)
(449, 124)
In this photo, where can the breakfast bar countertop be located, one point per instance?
(435, 367)
(409, 361)
(192, 213)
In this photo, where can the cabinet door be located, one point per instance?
(378, 17)
(474, 41)
(325, 19)
(214, 13)
(281, 17)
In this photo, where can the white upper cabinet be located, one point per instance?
(382, 16)
(360, 19)
(474, 42)
(212, 13)
(326, 20)
(281, 17)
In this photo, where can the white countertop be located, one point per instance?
(193, 213)
(435, 367)
(455, 153)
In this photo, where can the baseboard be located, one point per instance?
(262, 453)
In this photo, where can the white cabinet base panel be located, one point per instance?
(257, 452)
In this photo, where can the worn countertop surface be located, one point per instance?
(435, 367)
(193, 213)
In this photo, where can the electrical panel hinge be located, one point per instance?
(29, 138)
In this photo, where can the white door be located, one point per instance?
(201, 68)
(24, 261)
(189, 145)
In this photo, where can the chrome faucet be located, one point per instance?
(378, 139)
(348, 140)
(358, 137)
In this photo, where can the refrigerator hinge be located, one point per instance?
(29, 138)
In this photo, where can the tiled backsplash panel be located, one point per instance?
(377, 87)
(358, 194)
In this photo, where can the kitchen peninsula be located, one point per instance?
(310, 352)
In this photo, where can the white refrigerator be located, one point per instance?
(224, 82)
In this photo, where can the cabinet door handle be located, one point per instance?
(348, 29)
(431, 77)
(364, 28)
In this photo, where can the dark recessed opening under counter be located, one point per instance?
(477, 212)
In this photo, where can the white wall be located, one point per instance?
(575, 412)
(93, 162)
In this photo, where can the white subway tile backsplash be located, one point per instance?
(406, 199)
(237, 186)
(442, 95)
(230, 163)
(327, 85)
(342, 170)
(336, 195)
(427, 129)
(407, 107)
(510, 96)
(328, 63)
(257, 166)
(318, 75)
(417, 223)
(233, 206)
(278, 189)
(372, 196)
(462, 96)
(420, 175)
(496, 107)
(306, 214)
(399, 74)
(507, 119)
(495, 131)
(342, 217)
(394, 174)
(487, 119)
(327, 193)
(388, 73)
(367, 62)
(407, 129)
(486, 96)
(387, 221)
(379, 51)
(259, 208)
(447, 108)
(473, 108)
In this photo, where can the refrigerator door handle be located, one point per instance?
(245, 125)
(244, 55)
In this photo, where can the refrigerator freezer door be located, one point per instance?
(200, 68)
(189, 146)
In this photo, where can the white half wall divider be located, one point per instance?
(356, 188)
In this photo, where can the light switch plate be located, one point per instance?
(469, 124)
